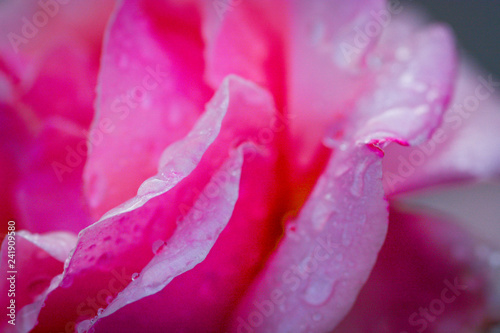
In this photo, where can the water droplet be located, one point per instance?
(317, 317)
(333, 138)
(357, 183)
(158, 246)
(319, 291)
(109, 299)
(320, 216)
(291, 230)
(100, 311)
(331, 142)
(135, 276)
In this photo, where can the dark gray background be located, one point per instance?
(476, 24)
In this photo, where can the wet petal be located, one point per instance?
(150, 94)
(71, 87)
(429, 276)
(238, 43)
(53, 164)
(123, 240)
(347, 210)
(465, 146)
(187, 247)
(399, 67)
(38, 259)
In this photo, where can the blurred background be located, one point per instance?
(475, 24)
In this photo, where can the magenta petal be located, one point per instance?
(188, 246)
(125, 239)
(405, 69)
(429, 277)
(14, 143)
(71, 87)
(326, 257)
(238, 43)
(150, 94)
(322, 83)
(327, 253)
(465, 146)
(39, 258)
(53, 164)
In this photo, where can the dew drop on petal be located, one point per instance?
(319, 291)
(100, 311)
(158, 246)
(135, 276)
(357, 184)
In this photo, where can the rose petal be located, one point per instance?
(14, 141)
(150, 94)
(427, 277)
(187, 247)
(71, 87)
(38, 259)
(400, 68)
(466, 145)
(238, 43)
(123, 239)
(322, 85)
(347, 210)
(53, 164)
(31, 26)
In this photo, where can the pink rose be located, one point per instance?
(232, 166)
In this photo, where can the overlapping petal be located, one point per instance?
(430, 276)
(465, 146)
(53, 163)
(37, 260)
(347, 208)
(150, 94)
(182, 193)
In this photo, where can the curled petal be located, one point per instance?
(171, 204)
(465, 146)
(347, 210)
(38, 259)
